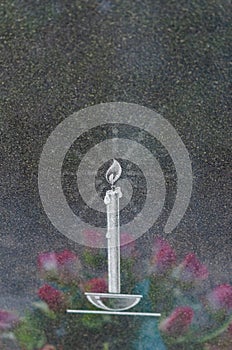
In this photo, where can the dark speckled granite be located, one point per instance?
(61, 56)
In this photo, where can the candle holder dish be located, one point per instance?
(113, 301)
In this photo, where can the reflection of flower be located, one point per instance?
(53, 297)
(7, 320)
(63, 265)
(127, 249)
(47, 263)
(68, 266)
(163, 256)
(178, 322)
(164, 289)
(65, 257)
(98, 285)
(192, 270)
(221, 297)
(93, 238)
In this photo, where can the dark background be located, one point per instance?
(61, 56)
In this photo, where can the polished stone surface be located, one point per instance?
(61, 56)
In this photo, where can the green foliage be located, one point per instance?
(30, 333)
(93, 260)
(94, 322)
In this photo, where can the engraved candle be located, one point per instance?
(113, 227)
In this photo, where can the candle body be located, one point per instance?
(113, 239)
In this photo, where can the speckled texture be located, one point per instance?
(61, 56)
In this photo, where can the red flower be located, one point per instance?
(221, 297)
(127, 243)
(65, 257)
(53, 297)
(192, 270)
(7, 320)
(178, 322)
(68, 266)
(163, 257)
(98, 285)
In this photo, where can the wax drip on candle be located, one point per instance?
(113, 173)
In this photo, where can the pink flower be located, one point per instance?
(221, 297)
(127, 243)
(7, 320)
(93, 238)
(164, 257)
(178, 322)
(98, 285)
(53, 297)
(47, 264)
(64, 265)
(192, 270)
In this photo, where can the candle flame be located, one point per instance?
(114, 172)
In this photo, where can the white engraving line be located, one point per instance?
(120, 313)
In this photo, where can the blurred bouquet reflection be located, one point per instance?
(193, 316)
